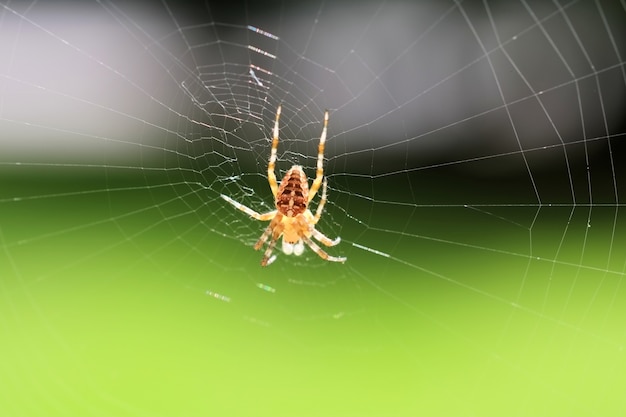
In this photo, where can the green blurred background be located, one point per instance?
(109, 307)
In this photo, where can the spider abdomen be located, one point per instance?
(293, 193)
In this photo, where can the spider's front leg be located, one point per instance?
(321, 253)
(306, 224)
(325, 239)
(275, 229)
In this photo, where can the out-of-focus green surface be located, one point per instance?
(119, 303)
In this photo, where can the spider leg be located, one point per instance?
(271, 176)
(263, 217)
(320, 160)
(268, 253)
(275, 229)
(259, 243)
(318, 213)
(325, 239)
(315, 247)
(272, 227)
(320, 205)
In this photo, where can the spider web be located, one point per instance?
(475, 167)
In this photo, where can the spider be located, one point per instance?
(292, 218)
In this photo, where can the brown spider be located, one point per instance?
(292, 218)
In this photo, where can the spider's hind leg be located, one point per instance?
(271, 175)
(319, 173)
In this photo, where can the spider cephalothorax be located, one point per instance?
(292, 218)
